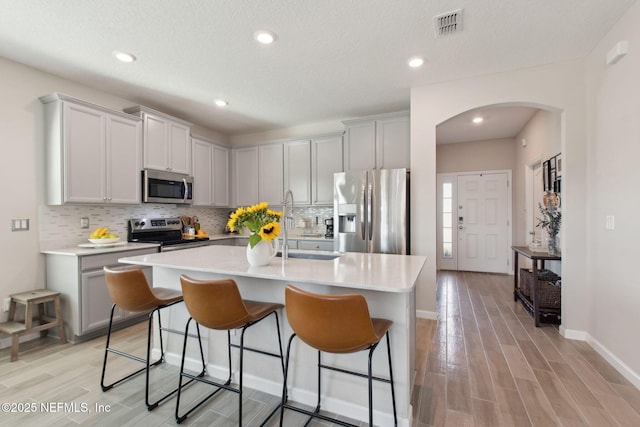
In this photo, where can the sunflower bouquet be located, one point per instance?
(262, 222)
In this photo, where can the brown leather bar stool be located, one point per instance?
(335, 324)
(130, 291)
(217, 304)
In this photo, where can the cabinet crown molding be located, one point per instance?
(57, 96)
(376, 117)
(139, 110)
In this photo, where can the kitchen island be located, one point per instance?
(386, 281)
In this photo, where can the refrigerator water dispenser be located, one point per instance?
(347, 223)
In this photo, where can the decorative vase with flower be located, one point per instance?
(263, 224)
(550, 222)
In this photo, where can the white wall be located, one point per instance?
(494, 154)
(542, 134)
(599, 107)
(613, 282)
(22, 167)
(558, 86)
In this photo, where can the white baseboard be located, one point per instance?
(424, 314)
(619, 365)
(296, 394)
(6, 342)
(624, 370)
(572, 334)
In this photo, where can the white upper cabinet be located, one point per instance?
(381, 142)
(297, 170)
(244, 170)
(304, 166)
(123, 158)
(93, 153)
(360, 146)
(220, 176)
(326, 159)
(202, 172)
(271, 174)
(210, 173)
(166, 141)
(393, 142)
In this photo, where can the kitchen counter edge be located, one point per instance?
(78, 251)
(379, 272)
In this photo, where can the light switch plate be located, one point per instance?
(20, 224)
(610, 222)
(84, 222)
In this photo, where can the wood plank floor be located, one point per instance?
(487, 365)
(482, 363)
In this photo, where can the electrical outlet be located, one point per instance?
(7, 303)
(84, 222)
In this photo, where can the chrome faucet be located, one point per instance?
(289, 222)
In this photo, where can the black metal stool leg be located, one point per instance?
(393, 394)
(229, 350)
(285, 396)
(146, 361)
(319, 381)
(241, 376)
(146, 388)
(106, 351)
(370, 384)
(179, 418)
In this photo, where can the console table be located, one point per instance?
(538, 259)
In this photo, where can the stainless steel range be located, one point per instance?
(165, 231)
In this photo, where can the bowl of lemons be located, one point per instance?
(102, 236)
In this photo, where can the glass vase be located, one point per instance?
(552, 245)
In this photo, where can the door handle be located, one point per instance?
(363, 217)
(461, 227)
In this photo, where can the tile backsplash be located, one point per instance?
(59, 226)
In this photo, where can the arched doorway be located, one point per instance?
(487, 182)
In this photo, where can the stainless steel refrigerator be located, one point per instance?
(371, 211)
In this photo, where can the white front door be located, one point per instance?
(483, 221)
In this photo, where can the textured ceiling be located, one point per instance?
(333, 59)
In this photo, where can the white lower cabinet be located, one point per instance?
(86, 304)
(223, 242)
(316, 245)
(242, 241)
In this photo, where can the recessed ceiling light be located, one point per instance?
(124, 56)
(416, 62)
(265, 36)
(477, 120)
(221, 102)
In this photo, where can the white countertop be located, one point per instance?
(79, 251)
(379, 272)
(127, 246)
(293, 236)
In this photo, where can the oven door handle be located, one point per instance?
(178, 247)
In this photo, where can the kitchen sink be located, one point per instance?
(325, 257)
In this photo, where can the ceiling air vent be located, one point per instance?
(448, 23)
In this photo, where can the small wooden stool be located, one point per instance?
(29, 299)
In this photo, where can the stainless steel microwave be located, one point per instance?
(166, 187)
